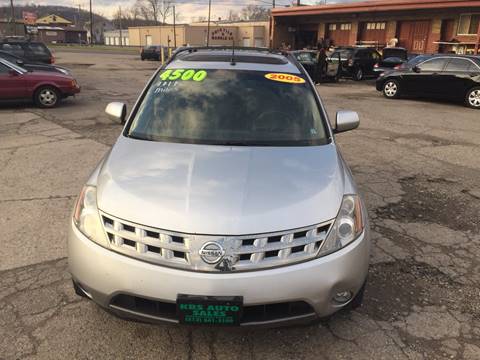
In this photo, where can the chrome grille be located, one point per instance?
(242, 253)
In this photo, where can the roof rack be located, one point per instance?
(191, 49)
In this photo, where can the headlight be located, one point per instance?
(87, 218)
(347, 226)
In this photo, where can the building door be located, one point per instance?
(339, 33)
(259, 42)
(413, 35)
(148, 40)
(246, 42)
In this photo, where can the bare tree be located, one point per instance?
(165, 9)
(255, 13)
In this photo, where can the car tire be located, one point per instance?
(358, 75)
(47, 97)
(391, 89)
(473, 98)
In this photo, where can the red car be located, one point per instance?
(46, 89)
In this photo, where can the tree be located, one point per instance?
(255, 13)
(233, 15)
(165, 10)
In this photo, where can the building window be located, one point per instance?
(346, 26)
(376, 26)
(332, 27)
(468, 24)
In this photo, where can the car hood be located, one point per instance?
(220, 190)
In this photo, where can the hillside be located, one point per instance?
(75, 15)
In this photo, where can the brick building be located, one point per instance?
(421, 26)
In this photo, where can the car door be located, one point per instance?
(459, 76)
(12, 84)
(373, 58)
(426, 79)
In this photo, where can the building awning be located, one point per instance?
(374, 6)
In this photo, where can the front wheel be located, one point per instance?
(473, 98)
(46, 97)
(391, 89)
(358, 75)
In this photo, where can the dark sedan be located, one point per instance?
(30, 65)
(153, 52)
(453, 77)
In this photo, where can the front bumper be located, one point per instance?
(103, 274)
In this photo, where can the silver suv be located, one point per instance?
(225, 201)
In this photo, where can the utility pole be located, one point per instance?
(12, 18)
(91, 24)
(208, 25)
(120, 21)
(174, 30)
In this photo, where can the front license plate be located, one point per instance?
(209, 310)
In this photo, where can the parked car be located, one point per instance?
(32, 66)
(391, 58)
(357, 62)
(454, 77)
(225, 200)
(153, 52)
(308, 59)
(32, 51)
(46, 89)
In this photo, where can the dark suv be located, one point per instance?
(357, 62)
(30, 50)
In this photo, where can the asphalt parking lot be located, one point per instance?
(416, 162)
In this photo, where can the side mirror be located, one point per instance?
(117, 111)
(416, 69)
(346, 120)
(12, 72)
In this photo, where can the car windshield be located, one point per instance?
(18, 68)
(229, 107)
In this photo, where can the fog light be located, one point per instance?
(342, 297)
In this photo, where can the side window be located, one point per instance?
(15, 49)
(459, 65)
(3, 69)
(375, 56)
(433, 65)
(474, 68)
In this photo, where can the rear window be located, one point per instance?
(229, 107)
(343, 54)
(305, 57)
(395, 53)
(38, 49)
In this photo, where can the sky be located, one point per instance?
(189, 10)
